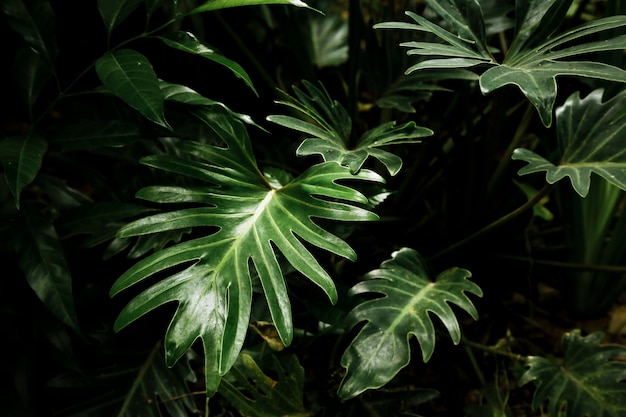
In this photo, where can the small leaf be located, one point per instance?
(381, 348)
(21, 158)
(590, 381)
(187, 42)
(265, 397)
(114, 12)
(129, 75)
(591, 140)
(211, 5)
(41, 258)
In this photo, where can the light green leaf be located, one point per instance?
(187, 42)
(246, 222)
(41, 258)
(591, 139)
(21, 158)
(129, 75)
(114, 12)
(224, 4)
(589, 381)
(331, 130)
(408, 296)
(264, 396)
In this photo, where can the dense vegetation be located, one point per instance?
(338, 208)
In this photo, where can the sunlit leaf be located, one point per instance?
(407, 298)
(589, 381)
(591, 137)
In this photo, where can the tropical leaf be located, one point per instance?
(114, 12)
(187, 42)
(381, 348)
(211, 5)
(34, 72)
(41, 258)
(247, 221)
(588, 382)
(329, 123)
(21, 158)
(89, 135)
(591, 140)
(129, 75)
(264, 396)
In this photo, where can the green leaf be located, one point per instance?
(211, 5)
(381, 348)
(187, 42)
(129, 75)
(114, 12)
(21, 158)
(210, 275)
(591, 140)
(589, 381)
(41, 258)
(88, 135)
(264, 396)
(32, 72)
(331, 130)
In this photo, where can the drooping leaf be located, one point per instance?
(114, 12)
(591, 137)
(381, 348)
(21, 158)
(129, 75)
(42, 260)
(329, 123)
(210, 275)
(211, 5)
(264, 396)
(187, 42)
(589, 381)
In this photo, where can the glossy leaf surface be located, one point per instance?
(129, 75)
(210, 275)
(21, 158)
(408, 297)
(225, 4)
(592, 139)
(589, 382)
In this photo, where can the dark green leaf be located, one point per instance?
(95, 134)
(224, 4)
(114, 12)
(21, 158)
(591, 138)
(32, 73)
(408, 296)
(129, 75)
(590, 381)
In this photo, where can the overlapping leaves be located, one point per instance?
(330, 125)
(209, 277)
(381, 349)
(589, 382)
(592, 139)
(535, 58)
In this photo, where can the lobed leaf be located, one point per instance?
(247, 222)
(591, 140)
(589, 382)
(381, 348)
(21, 158)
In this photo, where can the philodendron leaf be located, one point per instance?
(265, 397)
(114, 12)
(129, 75)
(41, 258)
(381, 349)
(329, 123)
(187, 42)
(21, 158)
(209, 277)
(592, 138)
(225, 4)
(589, 381)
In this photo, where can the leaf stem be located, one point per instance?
(493, 350)
(502, 220)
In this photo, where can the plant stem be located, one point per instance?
(493, 350)
(568, 265)
(502, 220)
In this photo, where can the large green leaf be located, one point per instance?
(592, 138)
(264, 396)
(589, 381)
(211, 5)
(209, 277)
(329, 123)
(42, 260)
(114, 12)
(21, 158)
(381, 348)
(129, 75)
(187, 42)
